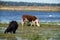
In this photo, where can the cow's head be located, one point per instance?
(37, 22)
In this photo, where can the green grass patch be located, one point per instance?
(45, 32)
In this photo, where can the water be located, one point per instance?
(7, 16)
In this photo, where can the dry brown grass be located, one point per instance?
(31, 8)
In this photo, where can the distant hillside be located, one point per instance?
(26, 4)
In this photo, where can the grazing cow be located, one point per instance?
(31, 19)
(12, 27)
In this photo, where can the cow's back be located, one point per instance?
(29, 17)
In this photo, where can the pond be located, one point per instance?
(16, 15)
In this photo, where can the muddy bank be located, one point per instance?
(31, 8)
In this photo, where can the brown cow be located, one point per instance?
(31, 19)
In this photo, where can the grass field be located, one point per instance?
(50, 31)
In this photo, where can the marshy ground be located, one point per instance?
(50, 31)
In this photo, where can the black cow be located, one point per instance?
(12, 27)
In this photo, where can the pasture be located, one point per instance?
(47, 31)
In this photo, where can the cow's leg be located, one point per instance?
(33, 23)
(5, 31)
(22, 22)
(14, 31)
(22, 25)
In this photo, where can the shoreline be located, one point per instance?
(30, 8)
